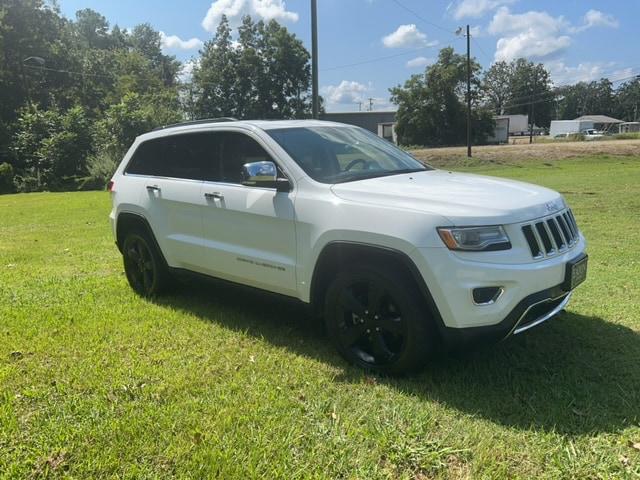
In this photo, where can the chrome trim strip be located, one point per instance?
(565, 241)
(543, 318)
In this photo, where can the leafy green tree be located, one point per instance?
(215, 75)
(530, 82)
(53, 145)
(431, 107)
(496, 86)
(266, 74)
(592, 98)
(628, 101)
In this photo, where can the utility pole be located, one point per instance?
(370, 104)
(359, 106)
(314, 59)
(533, 92)
(468, 93)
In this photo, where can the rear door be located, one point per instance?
(174, 168)
(249, 231)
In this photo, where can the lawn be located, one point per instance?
(222, 381)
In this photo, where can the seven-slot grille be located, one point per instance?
(551, 235)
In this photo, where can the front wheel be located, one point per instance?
(145, 269)
(377, 320)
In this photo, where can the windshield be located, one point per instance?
(343, 154)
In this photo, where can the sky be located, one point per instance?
(369, 46)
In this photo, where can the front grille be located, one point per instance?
(551, 235)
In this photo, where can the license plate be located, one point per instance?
(576, 273)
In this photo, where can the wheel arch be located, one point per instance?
(126, 221)
(336, 254)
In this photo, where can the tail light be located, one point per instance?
(111, 186)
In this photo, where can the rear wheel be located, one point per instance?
(145, 269)
(378, 321)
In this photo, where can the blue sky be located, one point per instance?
(575, 39)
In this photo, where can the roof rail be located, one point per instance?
(197, 122)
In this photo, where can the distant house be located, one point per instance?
(601, 122)
(381, 123)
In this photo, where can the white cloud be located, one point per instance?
(477, 8)
(596, 18)
(186, 72)
(348, 92)
(407, 36)
(538, 35)
(236, 9)
(563, 74)
(532, 34)
(173, 42)
(419, 62)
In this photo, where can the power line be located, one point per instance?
(372, 60)
(415, 14)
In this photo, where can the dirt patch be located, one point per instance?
(500, 154)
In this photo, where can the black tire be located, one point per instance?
(378, 320)
(144, 266)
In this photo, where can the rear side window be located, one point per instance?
(194, 156)
(148, 159)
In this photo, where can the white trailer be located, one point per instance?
(567, 127)
(518, 124)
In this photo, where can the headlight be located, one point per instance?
(475, 238)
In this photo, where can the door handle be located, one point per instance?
(214, 196)
(153, 188)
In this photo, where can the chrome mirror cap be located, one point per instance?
(257, 173)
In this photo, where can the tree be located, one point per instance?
(628, 101)
(528, 83)
(52, 145)
(595, 98)
(431, 107)
(266, 74)
(496, 86)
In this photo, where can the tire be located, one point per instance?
(377, 320)
(144, 266)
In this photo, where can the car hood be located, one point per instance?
(464, 199)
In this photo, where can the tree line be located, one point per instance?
(432, 105)
(75, 93)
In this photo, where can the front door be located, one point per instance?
(249, 232)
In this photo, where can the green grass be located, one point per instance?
(220, 381)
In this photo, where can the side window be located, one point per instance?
(148, 158)
(238, 149)
(194, 156)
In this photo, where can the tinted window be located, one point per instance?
(148, 158)
(192, 156)
(237, 150)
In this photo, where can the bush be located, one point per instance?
(101, 167)
(26, 184)
(6, 178)
(627, 136)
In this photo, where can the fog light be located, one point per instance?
(486, 295)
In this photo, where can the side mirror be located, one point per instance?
(263, 174)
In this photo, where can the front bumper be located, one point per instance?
(530, 312)
(532, 293)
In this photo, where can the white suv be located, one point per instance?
(398, 257)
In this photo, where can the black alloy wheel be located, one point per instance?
(377, 320)
(143, 266)
(370, 323)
